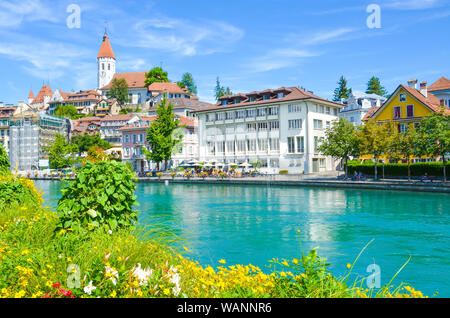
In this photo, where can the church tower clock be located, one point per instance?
(106, 63)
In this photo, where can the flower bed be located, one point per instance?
(41, 258)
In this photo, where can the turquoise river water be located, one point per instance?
(253, 224)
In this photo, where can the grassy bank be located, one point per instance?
(38, 259)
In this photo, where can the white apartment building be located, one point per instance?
(279, 129)
(358, 104)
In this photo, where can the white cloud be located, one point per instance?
(412, 4)
(13, 13)
(184, 37)
(278, 59)
(327, 36)
(46, 60)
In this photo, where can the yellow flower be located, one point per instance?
(285, 263)
(222, 261)
(25, 252)
(295, 261)
(166, 291)
(349, 265)
(49, 266)
(69, 259)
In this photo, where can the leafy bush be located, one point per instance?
(17, 191)
(101, 196)
(398, 169)
(4, 161)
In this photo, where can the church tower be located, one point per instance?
(106, 63)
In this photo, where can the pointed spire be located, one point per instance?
(31, 95)
(106, 49)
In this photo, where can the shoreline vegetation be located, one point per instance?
(93, 246)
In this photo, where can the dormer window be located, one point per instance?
(236, 101)
(251, 99)
(280, 95)
(265, 97)
(224, 102)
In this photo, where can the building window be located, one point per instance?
(240, 114)
(274, 125)
(261, 112)
(318, 124)
(230, 115)
(251, 145)
(262, 145)
(294, 108)
(230, 146)
(251, 127)
(410, 111)
(402, 97)
(251, 113)
(402, 128)
(291, 145)
(300, 144)
(240, 146)
(274, 144)
(397, 112)
(316, 144)
(221, 147)
(273, 111)
(295, 124)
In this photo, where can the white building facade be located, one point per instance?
(357, 106)
(277, 130)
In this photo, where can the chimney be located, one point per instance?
(424, 89)
(413, 83)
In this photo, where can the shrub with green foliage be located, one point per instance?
(100, 197)
(399, 169)
(4, 161)
(16, 191)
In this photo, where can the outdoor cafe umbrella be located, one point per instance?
(245, 165)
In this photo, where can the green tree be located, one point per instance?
(188, 82)
(403, 145)
(374, 87)
(221, 91)
(374, 139)
(119, 91)
(156, 75)
(60, 153)
(67, 111)
(163, 134)
(340, 142)
(4, 161)
(434, 137)
(341, 92)
(83, 143)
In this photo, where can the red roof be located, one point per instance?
(45, 91)
(440, 85)
(133, 79)
(171, 88)
(106, 49)
(31, 95)
(290, 94)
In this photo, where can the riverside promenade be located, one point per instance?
(319, 181)
(326, 180)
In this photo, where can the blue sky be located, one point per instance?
(249, 44)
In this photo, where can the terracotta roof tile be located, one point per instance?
(45, 91)
(106, 49)
(292, 94)
(133, 79)
(440, 85)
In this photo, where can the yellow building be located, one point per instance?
(407, 106)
